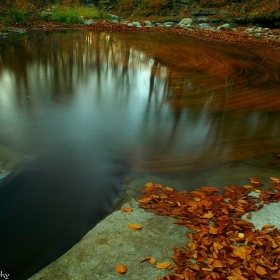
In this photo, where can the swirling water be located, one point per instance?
(87, 108)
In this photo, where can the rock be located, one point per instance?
(205, 26)
(225, 26)
(148, 23)
(250, 30)
(112, 242)
(168, 24)
(185, 21)
(135, 23)
(10, 164)
(89, 21)
(113, 17)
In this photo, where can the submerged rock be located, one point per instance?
(10, 164)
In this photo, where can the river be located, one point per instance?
(80, 110)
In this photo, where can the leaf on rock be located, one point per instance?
(134, 226)
(150, 259)
(164, 265)
(126, 209)
(121, 268)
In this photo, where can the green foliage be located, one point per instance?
(72, 15)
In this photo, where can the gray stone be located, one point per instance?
(112, 242)
(89, 21)
(135, 23)
(250, 30)
(205, 26)
(168, 24)
(185, 21)
(113, 17)
(225, 26)
(148, 23)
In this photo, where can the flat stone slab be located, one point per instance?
(112, 241)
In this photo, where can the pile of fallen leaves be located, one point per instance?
(223, 246)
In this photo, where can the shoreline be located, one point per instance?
(236, 36)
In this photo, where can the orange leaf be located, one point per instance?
(121, 268)
(126, 209)
(210, 189)
(163, 265)
(239, 251)
(249, 216)
(134, 226)
(209, 215)
(145, 200)
(254, 180)
(150, 259)
(149, 185)
(212, 230)
(260, 270)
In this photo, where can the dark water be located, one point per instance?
(87, 108)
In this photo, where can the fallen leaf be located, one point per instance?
(163, 265)
(260, 270)
(126, 209)
(150, 259)
(134, 226)
(149, 185)
(121, 268)
(249, 216)
(254, 180)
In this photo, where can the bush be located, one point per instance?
(72, 14)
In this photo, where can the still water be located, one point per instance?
(79, 110)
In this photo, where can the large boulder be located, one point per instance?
(185, 21)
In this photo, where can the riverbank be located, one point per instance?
(227, 33)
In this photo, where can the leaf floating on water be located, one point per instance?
(121, 268)
(134, 226)
(249, 216)
(254, 180)
(126, 209)
(164, 265)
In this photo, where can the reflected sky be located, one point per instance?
(171, 102)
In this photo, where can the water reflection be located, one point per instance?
(90, 107)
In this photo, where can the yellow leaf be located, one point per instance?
(121, 268)
(134, 226)
(126, 209)
(209, 215)
(169, 189)
(163, 265)
(212, 230)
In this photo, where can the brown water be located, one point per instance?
(87, 108)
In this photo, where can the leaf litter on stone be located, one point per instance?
(223, 245)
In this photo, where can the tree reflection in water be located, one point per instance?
(94, 106)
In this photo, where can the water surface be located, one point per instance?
(86, 108)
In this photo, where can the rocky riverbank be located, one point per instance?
(187, 26)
